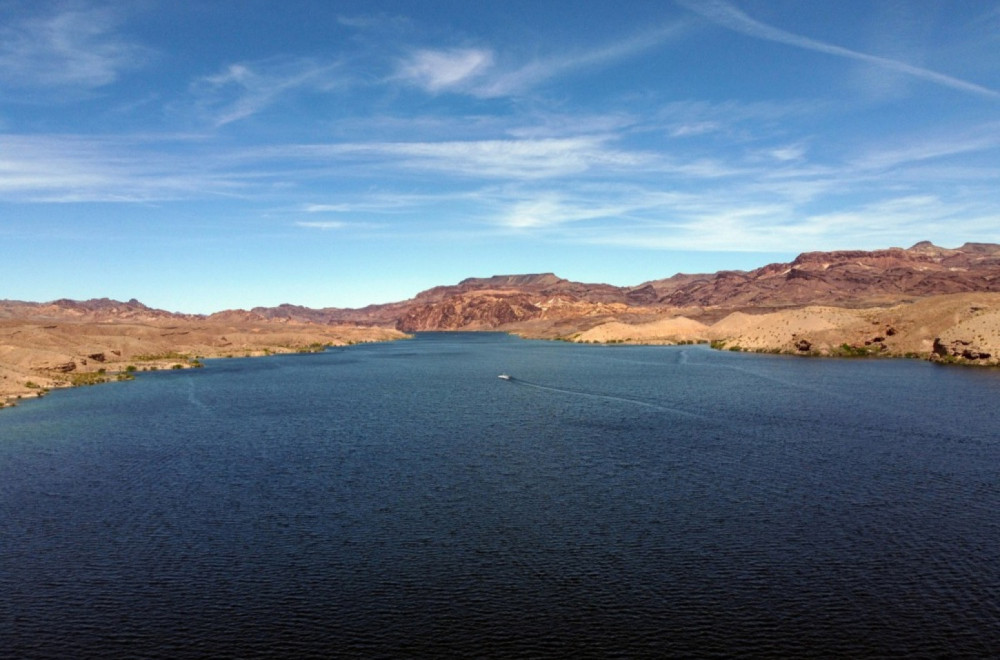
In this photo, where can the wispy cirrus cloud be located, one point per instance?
(553, 209)
(506, 159)
(972, 139)
(626, 215)
(479, 71)
(897, 216)
(737, 223)
(348, 225)
(62, 168)
(765, 198)
(519, 79)
(384, 202)
(74, 168)
(328, 208)
(785, 153)
(323, 224)
(440, 70)
(245, 89)
(726, 15)
(700, 122)
(693, 128)
(77, 46)
(615, 206)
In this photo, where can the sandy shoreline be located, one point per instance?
(957, 328)
(38, 356)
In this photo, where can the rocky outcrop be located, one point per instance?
(959, 327)
(470, 311)
(93, 310)
(958, 349)
(36, 356)
(851, 278)
(846, 278)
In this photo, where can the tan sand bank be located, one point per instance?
(36, 356)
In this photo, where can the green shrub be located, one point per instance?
(86, 378)
(846, 350)
(170, 355)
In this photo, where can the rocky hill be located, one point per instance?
(925, 300)
(854, 279)
(849, 278)
(842, 278)
(957, 327)
(66, 343)
(95, 310)
(505, 300)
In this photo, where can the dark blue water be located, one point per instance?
(400, 500)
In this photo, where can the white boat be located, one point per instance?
(503, 377)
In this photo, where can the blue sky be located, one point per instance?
(208, 155)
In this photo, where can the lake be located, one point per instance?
(400, 500)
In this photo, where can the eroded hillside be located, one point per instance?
(924, 301)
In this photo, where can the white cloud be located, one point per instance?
(551, 209)
(519, 79)
(513, 159)
(244, 89)
(67, 168)
(726, 15)
(381, 203)
(475, 71)
(560, 124)
(736, 223)
(75, 47)
(617, 208)
(327, 208)
(439, 70)
(694, 128)
(788, 152)
(326, 224)
(980, 138)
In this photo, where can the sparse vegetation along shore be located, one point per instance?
(925, 301)
(39, 355)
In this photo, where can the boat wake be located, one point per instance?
(192, 396)
(608, 397)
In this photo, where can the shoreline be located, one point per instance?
(38, 357)
(105, 376)
(42, 354)
(950, 329)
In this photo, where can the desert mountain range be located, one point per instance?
(853, 279)
(924, 301)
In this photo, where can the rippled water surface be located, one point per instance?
(400, 500)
